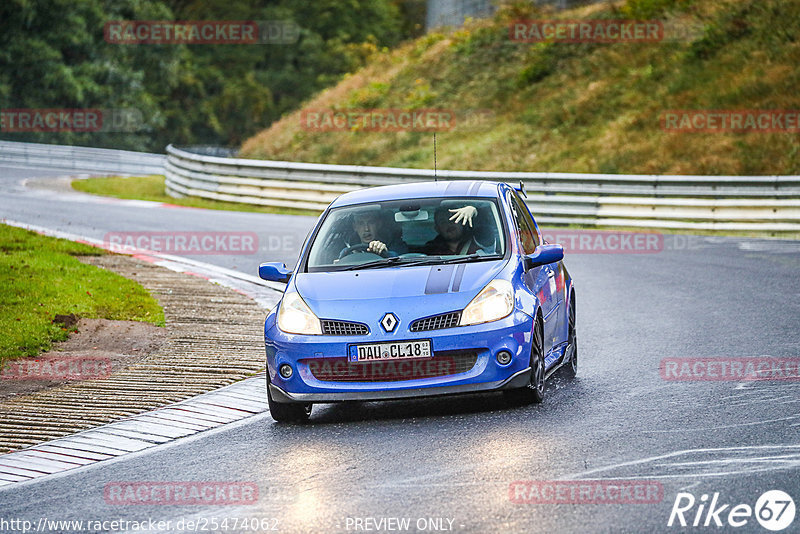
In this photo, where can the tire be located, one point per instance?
(533, 393)
(287, 412)
(570, 368)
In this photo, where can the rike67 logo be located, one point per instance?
(774, 510)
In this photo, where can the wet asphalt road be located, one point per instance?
(451, 463)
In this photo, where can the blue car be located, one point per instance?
(417, 290)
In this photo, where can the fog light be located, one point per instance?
(285, 370)
(503, 357)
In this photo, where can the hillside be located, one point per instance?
(573, 107)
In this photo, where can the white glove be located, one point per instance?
(464, 215)
(376, 247)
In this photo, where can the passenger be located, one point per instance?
(453, 238)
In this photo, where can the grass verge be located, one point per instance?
(152, 188)
(40, 277)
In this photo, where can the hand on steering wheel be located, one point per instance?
(378, 247)
(375, 247)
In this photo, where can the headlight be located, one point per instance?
(295, 317)
(494, 302)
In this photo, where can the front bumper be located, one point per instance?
(517, 380)
(512, 334)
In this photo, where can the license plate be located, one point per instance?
(402, 350)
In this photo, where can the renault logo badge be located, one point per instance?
(388, 322)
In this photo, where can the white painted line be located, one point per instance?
(59, 457)
(250, 406)
(172, 421)
(34, 464)
(736, 463)
(74, 452)
(5, 477)
(221, 411)
(188, 422)
(110, 442)
(192, 417)
(142, 425)
(71, 442)
(28, 473)
(115, 432)
(720, 427)
(205, 416)
(254, 397)
(225, 404)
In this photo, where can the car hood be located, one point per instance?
(414, 291)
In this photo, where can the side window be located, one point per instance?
(527, 235)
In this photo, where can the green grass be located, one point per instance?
(581, 107)
(40, 277)
(152, 188)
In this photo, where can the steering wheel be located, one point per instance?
(359, 247)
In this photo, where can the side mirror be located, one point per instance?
(274, 272)
(543, 255)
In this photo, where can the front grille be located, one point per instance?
(343, 328)
(436, 322)
(341, 370)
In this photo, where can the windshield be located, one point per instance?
(407, 232)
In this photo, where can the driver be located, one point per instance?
(380, 235)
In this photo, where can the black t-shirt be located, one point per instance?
(439, 247)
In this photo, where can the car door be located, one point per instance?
(540, 280)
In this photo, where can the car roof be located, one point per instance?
(455, 188)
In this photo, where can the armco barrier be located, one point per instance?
(729, 203)
(76, 158)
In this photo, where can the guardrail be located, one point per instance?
(729, 203)
(80, 158)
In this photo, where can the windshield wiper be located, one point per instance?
(470, 257)
(383, 262)
(394, 261)
(429, 260)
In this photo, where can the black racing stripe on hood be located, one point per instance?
(457, 278)
(439, 279)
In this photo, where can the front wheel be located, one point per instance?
(533, 393)
(287, 412)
